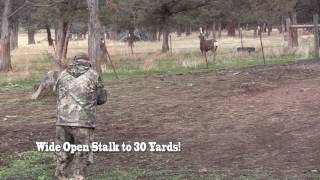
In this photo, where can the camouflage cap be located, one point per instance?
(82, 57)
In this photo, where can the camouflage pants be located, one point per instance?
(73, 166)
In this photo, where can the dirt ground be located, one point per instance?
(262, 120)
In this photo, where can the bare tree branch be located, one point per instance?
(18, 9)
(30, 3)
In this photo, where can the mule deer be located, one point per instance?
(207, 45)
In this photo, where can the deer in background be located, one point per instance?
(207, 45)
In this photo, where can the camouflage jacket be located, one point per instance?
(79, 90)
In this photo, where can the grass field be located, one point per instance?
(30, 62)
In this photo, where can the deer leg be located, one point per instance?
(205, 55)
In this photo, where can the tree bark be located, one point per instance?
(31, 34)
(179, 30)
(159, 34)
(231, 28)
(49, 36)
(94, 34)
(14, 30)
(264, 27)
(239, 30)
(188, 30)
(62, 39)
(294, 31)
(214, 30)
(269, 29)
(5, 23)
(5, 59)
(154, 35)
(131, 40)
(165, 40)
(219, 30)
(55, 34)
(255, 33)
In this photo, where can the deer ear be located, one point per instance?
(201, 30)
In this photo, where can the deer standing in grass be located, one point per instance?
(207, 45)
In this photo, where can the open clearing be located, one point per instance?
(254, 122)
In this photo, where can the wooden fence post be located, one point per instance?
(316, 36)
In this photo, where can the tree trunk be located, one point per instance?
(294, 31)
(56, 34)
(269, 29)
(31, 34)
(159, 34)
(219, 30)
(239, 30)
(14, 30)
(255, 33)
(179, 30)
(154, 35)
(214, 30)
(264, 27)
(5, 59)
(131, 40)
(280, 29)
(5, 23)
(62, 39)
(49, 37)
(231, 28)
(188, 30)
(65, 47)
(165, 40)
(94, 34)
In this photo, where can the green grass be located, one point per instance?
(27, 165)
(235, 64)
(167, 66)
(40, 166)
(164, 65)
(19, 85)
